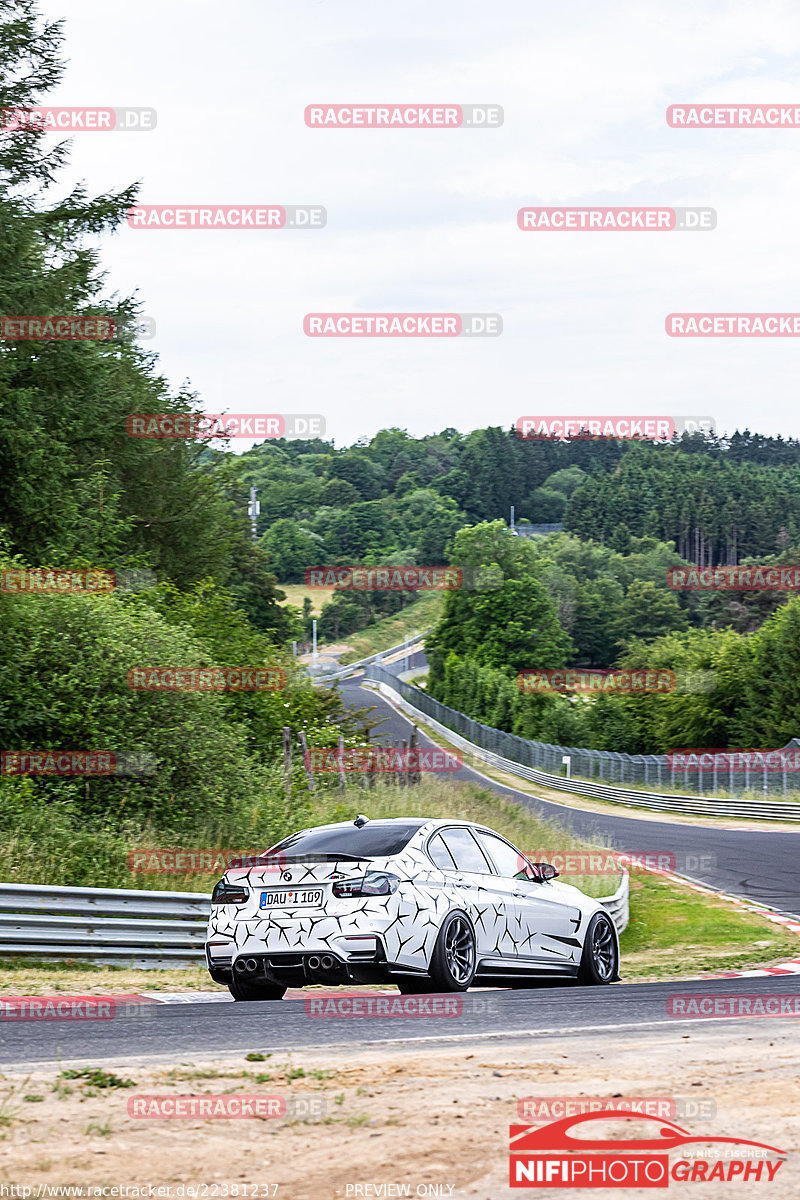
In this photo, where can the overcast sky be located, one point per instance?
(425, 220)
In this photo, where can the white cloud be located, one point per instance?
(425, 220)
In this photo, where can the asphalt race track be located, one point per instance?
(760, 865)
(210, 1028)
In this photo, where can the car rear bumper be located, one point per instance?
(299, 968)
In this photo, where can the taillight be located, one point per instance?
(374, 883)
(229, 893)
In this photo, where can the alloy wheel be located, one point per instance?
(603, 949)
(459, 950)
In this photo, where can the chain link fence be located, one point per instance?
(599, 766)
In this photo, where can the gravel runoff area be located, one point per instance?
(430, 1123)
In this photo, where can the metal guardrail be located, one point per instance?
(103, 925)
(351, 668)
(128, 928)
(419, 704)
(618, 905)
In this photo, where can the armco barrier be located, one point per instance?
(129, 928)
(351, 668)
(104, 925)
(618, 905)
(418, 703)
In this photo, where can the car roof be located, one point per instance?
(417, 823)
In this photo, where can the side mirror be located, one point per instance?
(546, 870)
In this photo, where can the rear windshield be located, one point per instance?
(375, 840)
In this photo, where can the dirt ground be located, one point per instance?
(402, 1117)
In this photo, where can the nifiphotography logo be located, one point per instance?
(552, 1157)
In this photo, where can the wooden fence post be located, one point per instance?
(287, 760)
(342, 785)
(301, 737)
(413, 765)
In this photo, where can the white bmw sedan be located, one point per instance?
(430, 905)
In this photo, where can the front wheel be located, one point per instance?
(454, 960)
(250, 989)
(600, 958)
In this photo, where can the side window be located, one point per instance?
(465, 850)
(439, 853)
(509, 861)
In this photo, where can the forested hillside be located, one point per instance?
(718, 500)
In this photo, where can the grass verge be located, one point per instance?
(297, 592)
(413, 619)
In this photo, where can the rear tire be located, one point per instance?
(251, 989)
(454, 961)
(600, 958)
(414, 987)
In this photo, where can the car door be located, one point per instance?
(491, 902)
(547, 926)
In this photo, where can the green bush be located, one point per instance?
(64, 663)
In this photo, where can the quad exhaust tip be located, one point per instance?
(326, 962)
(246, 965)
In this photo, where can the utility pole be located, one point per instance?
(314, 628)
(253, 512)
(512, 516)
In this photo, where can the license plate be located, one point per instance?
(292, 898)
